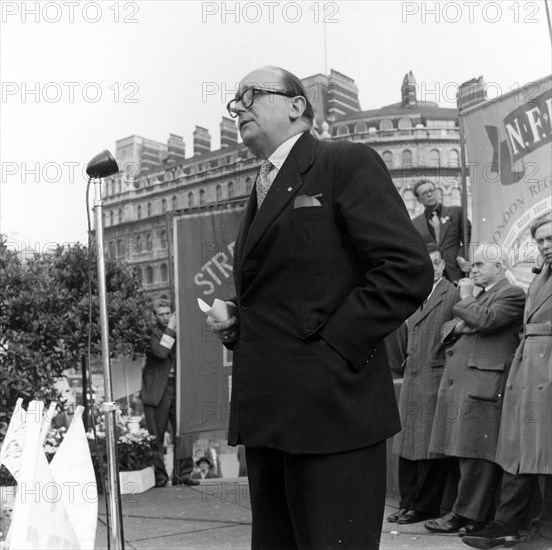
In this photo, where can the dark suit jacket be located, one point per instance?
(318, 288)
(450, 239)
(159, 361)
(469, 402)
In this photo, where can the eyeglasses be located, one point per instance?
(426, 193)
(249, 96)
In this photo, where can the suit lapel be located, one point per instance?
(434, 300)
(488, 296)
(420, 223)
(283, 189)
(445, 214)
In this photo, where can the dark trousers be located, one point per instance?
(479, 480)
(422, 484)
(321, 502)
(516, 493)
(157, 422)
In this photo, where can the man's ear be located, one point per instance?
(297, 106)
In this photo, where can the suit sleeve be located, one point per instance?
(398, 271)
(506, 310)
(161, 343)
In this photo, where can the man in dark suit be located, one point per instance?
(158, 394)
(481, 340)
(442, 226)
(326, 264)
(422, 476)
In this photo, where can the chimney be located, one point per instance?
(228, 132)
(202, 141)
(471, 93)
(176, 149)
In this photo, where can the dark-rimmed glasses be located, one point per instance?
(248, 97)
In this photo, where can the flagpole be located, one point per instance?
(464, 184)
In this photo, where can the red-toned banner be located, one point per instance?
(204, 244)
(509, 150)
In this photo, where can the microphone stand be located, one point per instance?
(109, 407)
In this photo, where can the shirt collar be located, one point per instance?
(280, 155)
(430, 213)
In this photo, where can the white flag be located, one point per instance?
(10, 453)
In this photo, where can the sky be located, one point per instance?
(78, 76)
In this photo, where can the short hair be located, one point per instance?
(293, 85)
(547, 218)
(421, 182)
(493, 252)
(159, 303)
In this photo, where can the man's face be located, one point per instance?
(163, 314)
(438, 265)
(264, 125)
(203, 466)
(428, 196)
(485, 272)
(543, 238)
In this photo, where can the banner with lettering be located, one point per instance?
(204, 244)
(509, 151)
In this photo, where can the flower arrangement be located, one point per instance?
(445, 219)
(135, 447)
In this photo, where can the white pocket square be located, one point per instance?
(304, 200)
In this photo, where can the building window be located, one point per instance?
(342, 131)
(386, 124)
(407, 157)
(164, 273)
(174, 203)
(139, 275)
(454, 158)
(163, 239)
(120, 216)
(149, 275)
(202, 196)
(360, 127)
(387, 157)
(139, 214)
(190, 199)
(112, 250)
(218, 191)
(248, 185)
(139, 245)
(434, 157)
(231, 190)
(149, 242)
(164, 206)
(405, 124)
(112, 218)
(149, 209)
(222, 161)
(120, 248)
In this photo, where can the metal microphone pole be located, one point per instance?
(109, 407)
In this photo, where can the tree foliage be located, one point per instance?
(44, 318)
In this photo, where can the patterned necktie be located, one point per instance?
(263, 181)
(436, 223)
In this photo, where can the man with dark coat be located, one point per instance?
(480, 342)
(442, 226)
(158, 393)
(326, 264)
(422, 476)
(524, 448)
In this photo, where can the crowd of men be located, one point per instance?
(476, 399)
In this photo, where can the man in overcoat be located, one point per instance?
(442, 226)
(158, 393)
(524, 447)
(422, 476)
(326, 264)
(480, 342)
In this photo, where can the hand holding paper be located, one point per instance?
(222, 316)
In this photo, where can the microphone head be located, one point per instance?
(102, 165)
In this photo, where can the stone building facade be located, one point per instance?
(416, 139)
